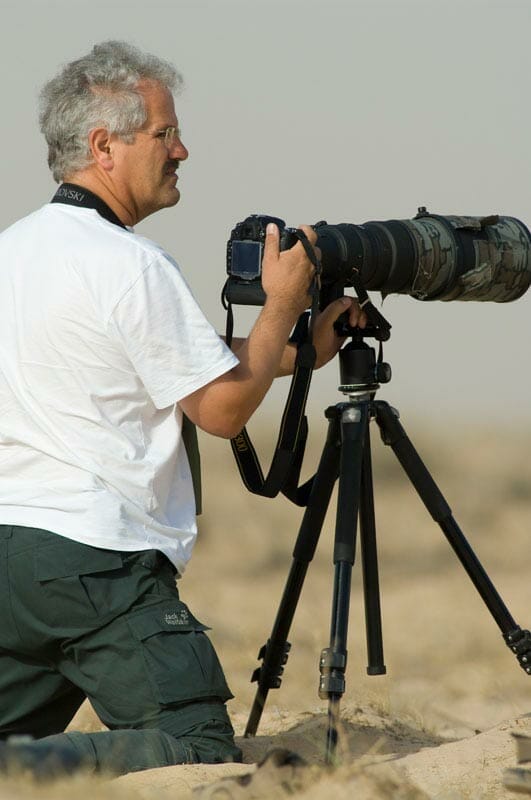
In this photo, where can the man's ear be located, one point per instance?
(100, 147)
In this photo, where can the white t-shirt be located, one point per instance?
(100, 338)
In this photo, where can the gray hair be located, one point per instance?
(97, 90)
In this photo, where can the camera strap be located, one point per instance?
(284, 472)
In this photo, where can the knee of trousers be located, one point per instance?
(205, 728)
(121, 751)
(211, 743)
(195, 733)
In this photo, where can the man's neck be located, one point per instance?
(94, 184)
(72, 194)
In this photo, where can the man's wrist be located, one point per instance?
(281, 314)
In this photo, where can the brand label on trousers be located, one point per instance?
(180, 617)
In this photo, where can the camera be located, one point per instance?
(429, 257)
(244, 257)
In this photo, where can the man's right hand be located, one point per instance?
(287, 274)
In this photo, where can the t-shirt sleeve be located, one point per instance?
(170, 343)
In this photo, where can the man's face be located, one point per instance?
(145, 171)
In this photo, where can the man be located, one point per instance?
(102, 351)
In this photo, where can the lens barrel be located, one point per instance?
(431, 257)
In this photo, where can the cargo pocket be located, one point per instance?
(180, 660)
(72, 580)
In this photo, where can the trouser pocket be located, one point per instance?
(180, 661)
(73, 579)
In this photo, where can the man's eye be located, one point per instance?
(161, 134)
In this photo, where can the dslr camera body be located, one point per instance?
(245, 250)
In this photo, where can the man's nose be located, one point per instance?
(178, 150)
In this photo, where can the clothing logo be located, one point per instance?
(177, 617)
(241, 444)
(70, 194)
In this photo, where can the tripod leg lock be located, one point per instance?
(520, 643)
(269, 675)
(332, 666)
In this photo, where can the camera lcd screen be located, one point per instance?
(246, 259)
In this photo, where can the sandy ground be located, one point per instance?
(439, 723)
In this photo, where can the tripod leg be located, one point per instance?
(354, 425)
(369, 556)
(274, 653)
(393, 434)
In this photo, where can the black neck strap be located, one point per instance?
(284, 472)
(73, 195)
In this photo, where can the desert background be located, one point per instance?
(344, 110)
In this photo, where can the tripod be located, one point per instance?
(346, 457)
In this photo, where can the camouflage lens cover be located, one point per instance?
(470, 258)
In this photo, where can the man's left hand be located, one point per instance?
(325, 338)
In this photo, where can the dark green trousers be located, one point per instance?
(80, 622)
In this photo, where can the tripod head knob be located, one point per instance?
(383, 372)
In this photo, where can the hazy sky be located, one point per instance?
(344, 111)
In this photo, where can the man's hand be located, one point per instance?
(287, 274)
(325, 339)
